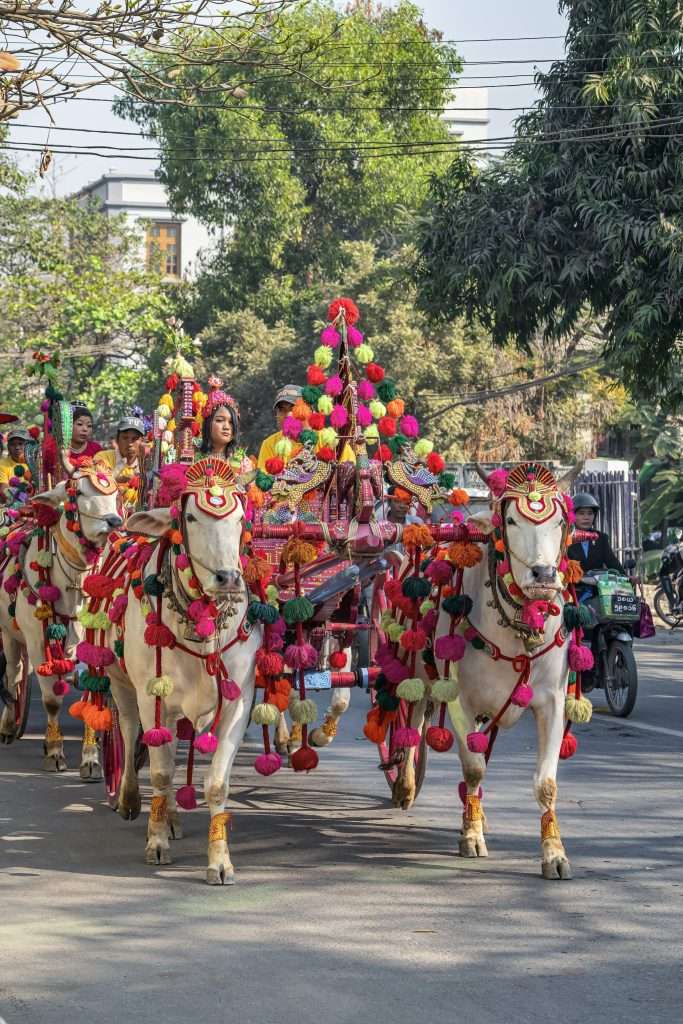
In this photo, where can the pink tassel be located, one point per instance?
(522, 696)
(301, 656)
(409, 426)
(450, 648)
(196, 609)
(205, 627)
(173, 483)
(186, 797)
(267, 764)
(11, 584)
(439, 571)
(206, 743)
(366, 390)
(334, 385)
(502, 568)
(339, 416)
(470, 634)
(396, 671)
(292, 427)
(230, 689)
(364, 416)
(477, 742)
(533, 613)
(157, 737)
(428, 623)
(330, 337)
(354, 336)
(406, 737)
(580, 658)
(32, 599)
(60, 688)
(182, 561)
(94, 655)
(497, 481)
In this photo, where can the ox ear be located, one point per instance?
(565, 484)
(55, 497)
(482, 521)
(154, 523)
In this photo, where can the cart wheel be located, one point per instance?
(23, 702)
(112, 758)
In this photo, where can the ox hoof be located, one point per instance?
(319, 738)
(558, 867)
(402, 796)
(175, 827)
(223, 874)
(157, 854)
(7, 737)
(129, 805)
(54, 763)
(473, 846)
(90, 771)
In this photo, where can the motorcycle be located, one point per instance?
(614, 608)
(668, 599)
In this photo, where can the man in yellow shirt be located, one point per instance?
(16, 440)
(285, 400)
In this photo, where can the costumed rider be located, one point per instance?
(221, 431)
(597, 554)
(125, 459)
(82, 443)
(285, 400)
(13, 465)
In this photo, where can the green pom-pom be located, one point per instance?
(118, 648)
(96, 684)
(428, 656)
(387, 701)
(478, 643)
(416, 587)
(381, 682)
(445, 689)
(153, 586)
(459, 604)
(261, 612)
(304, 712)
(160, 686)
(264, 481)
(56, 631)
(308, 437)
(299, 609)
(446, 480)
(265, 714)
(12, 609)
(311, 394)
(386, 390)
(411, 690)
(572, 677)
(18, 470)
(397, 443)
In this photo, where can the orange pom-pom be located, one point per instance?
(257, 569)
(77, 708)
(464, 555)
(459, 497)
(298, 552)
(301, 410)
(282, 686)
(417, 537)
(175, 536)
(374, 732)
(500, 546)
(396, 407)
(278, 700)
(256, 497)
(573, 573)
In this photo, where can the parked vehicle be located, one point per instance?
(615, 612)
(668, 599)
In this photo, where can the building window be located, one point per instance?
(163, 247)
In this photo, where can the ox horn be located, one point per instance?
(565, 483)
(482, 473)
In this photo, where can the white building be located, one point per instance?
(467, 115)
(172, 241)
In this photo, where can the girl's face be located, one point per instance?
(82, 431)
(221, 430)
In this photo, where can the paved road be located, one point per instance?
(348, 911)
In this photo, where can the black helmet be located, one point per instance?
(586, 500)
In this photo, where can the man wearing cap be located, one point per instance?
(123, 460)
(285, 400)
(16, 441)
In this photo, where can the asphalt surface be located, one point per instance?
(346, 910)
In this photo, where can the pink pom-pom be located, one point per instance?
(32, 599)
(571, 517)
(330, 337)
(60, 687)
(48, 593)
(366, 390)
(267, 764)
(173, 483)
(292, 427)
(230, 689)
(118, 607)
(409, 426)
(450, 648)
(533, 614)
(205, 627)
(206, 743)
(497, 481)
(94, 655)
(396, 671)
(568, 746)
(156, 737)
(354, 336)
(522, 696)
(182, 561)
(364, 416)
(279, 627)
(334, 385)
(477, 742)
(45, 405)
(462, 792)
(339, 416)
(186, 797)
(469, 634)
(440, 570)
(184, 729)
(196, 609)
(428, 622)
(406, 737)
(301, 656)
(503, 568)
(144, 553)
(580, 658)
(496, 519)
(11, 584)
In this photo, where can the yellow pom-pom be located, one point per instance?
(166, 400)
(371, 434)
(385, 621)
(304, 712)
(325, 405)
(578, 711)
(164, 447)
(444, 689)
(423, 447)
(200, 398)
(165, 411)
(162, 423)
(378, 409)
(171, 425)
(283, 447)
(426, 606)
(272, 594)
(364, 354)
(160, 686)
(265, 714)
(328, 437)
(322, 356)
(394, 631)
(411, 690)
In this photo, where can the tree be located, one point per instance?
(308, 161)
(584, 211)
(61, 49)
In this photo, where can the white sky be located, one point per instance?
(457, 20)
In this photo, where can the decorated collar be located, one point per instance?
(534, 490)
(211, 481)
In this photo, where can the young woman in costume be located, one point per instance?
(82, 443)
(221, 430)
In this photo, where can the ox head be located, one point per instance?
(93, 491)
(530, 510)
(210, 515)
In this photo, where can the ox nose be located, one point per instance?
(113, 522)
(228, 578)
(544, 573)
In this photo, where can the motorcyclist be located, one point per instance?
(595, 554)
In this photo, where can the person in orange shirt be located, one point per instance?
(285, 400)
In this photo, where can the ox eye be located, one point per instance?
(510, 521)
(190, 518)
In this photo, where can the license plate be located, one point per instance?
(625, 604)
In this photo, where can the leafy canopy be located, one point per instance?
(584, 211)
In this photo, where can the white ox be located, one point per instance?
(213, 546)
(98, 516)
(535, 550)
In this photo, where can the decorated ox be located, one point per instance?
(501, 627)
(177, 639)
(47, 557)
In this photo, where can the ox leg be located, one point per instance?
(90, 769)
(472, 842)
(12, 650)
(295, 738)
(550, 726)
(161, 766)
(325, 733)
(404, 789)
(53, 744)
(129, 803)
(282, 734)
(217, 787)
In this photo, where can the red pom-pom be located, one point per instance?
(184, 729)
(275, 465)
(568, 746)
(315, 375)
(172, 382)
(196, 428)
(325, 454)
(337, 659)
(374, 372)
(34, 432)
(439, 739)
(349, 306)
(384, 453)
(316, 421)
(186, 797)
(435, 463)
(386, 426)
(304, 760)
(477, 742)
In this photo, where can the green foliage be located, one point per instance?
(307, 160)
(584, 211)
